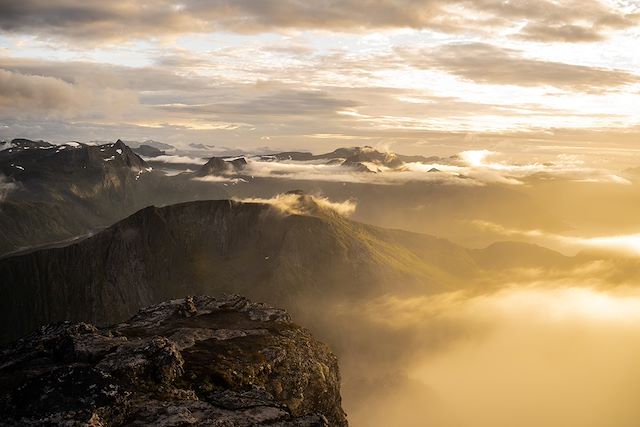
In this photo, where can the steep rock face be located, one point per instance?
(193, 361)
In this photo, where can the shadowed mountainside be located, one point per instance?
(64, 191)
(264, 251)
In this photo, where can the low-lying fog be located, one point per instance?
(552, 346)
(527, 355)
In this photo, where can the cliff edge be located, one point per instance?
(194, 361)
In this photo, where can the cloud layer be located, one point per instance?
(620, 244)
(419, 75)
(469, 168)
(485, 63)
(570, 20)
(525, 355)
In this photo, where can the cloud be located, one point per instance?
(563, 32)
(155, 99)
(35, 92)
(570, 20)
(283, 102)
(217, 179)
(25, 95)
(244, 102)
(565, 167)
(176, 159)
(104, 74)
(305, 204)
(469, 168)
(485, 63)
(524, 355)
(620, 244)
(315, 171)
(116, 20)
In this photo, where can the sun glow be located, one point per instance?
(629, 243)
(475, 158)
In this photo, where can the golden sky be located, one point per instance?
(416, 76)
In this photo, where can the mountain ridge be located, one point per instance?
(222, 246)
(207, 246)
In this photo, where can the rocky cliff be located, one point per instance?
(193, 361)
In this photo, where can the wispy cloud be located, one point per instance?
(486, 63)
(305, 204)
(177, 159)
(563, 167)
(463, 350)
(469, 168)
(628, 244)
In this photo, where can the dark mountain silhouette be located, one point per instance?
(256, 249)
(219, 246)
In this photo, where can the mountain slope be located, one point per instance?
(220, 246)
(63, 191)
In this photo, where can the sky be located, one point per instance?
(415, 76)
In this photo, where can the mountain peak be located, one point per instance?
(124, 152)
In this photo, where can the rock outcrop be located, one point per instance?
(194, 361)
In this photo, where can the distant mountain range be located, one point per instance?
(50, 194)
(355, 159)
(363, 159)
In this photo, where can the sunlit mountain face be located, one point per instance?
(447, 193)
